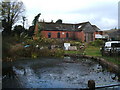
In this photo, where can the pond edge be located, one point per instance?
(110, 66)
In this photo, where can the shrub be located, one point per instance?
(74, 43)
(58, 52)
(34, 55)
(44, 52)
(13, 47)
(97, 43)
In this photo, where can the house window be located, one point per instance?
(58, 35)
(49, 35)
(67, 35)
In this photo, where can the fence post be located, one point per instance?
(102, 50)
(119, 76)
(91, 84)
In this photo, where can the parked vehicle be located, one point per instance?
(111, 48)
(112, 45)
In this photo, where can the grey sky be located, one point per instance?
(103, 13)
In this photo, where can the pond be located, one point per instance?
(55, 73)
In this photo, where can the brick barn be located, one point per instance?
(80, 31)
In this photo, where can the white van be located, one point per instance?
(109, 45)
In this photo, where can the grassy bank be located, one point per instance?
(95, 51)
(73, 52)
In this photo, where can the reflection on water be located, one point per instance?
(55, 73)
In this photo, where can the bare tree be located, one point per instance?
(11, 12)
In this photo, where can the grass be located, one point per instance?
(115, 60)
(95, 51)
(72, 52)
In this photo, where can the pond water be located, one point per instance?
(55, 73)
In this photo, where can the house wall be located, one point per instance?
(36, 29)
(71, 34)
(76, 35)
(80, 36)
(89, 33)
(89, 37)
(54, 34)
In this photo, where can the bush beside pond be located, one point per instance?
(13, 48)
(97, 43)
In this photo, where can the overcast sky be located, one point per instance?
(103, 13)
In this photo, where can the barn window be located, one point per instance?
(49, 35)
(58, 35)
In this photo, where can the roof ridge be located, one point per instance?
(66, 23)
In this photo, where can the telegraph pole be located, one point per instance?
(23, 20)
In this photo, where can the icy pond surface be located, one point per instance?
(55, 73)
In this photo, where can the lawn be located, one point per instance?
(95, 51)
(72, 52)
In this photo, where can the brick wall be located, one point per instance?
(80, 36)
(54, 34)
(77, 35)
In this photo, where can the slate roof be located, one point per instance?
(55, 26)
(80, 26)
(65, 26)
(96, 28)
